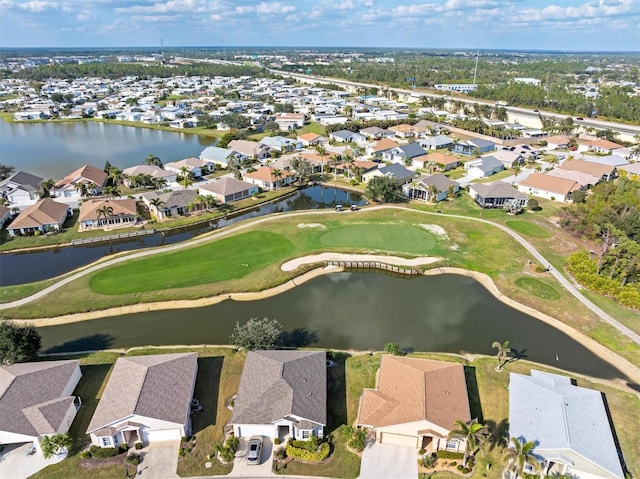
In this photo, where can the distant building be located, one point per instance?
(458, 87)
(528, 81)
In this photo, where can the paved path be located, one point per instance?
(569, 286)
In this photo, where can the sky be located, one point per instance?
(574, 25)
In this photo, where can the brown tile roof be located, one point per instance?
(84, 174)
(402, 128)
(159, 386)
(579, 177)
(123, 207)
(597, 169)
(265, 173)
(31, 400)
(275, 384)
(557, 140)
(633, 168)
(603, 143)
(385, 144)
(246, 147)
(188, 162)
(44, 212)
(309, 137)
(552, 184)
(442, 158)
(411, 389)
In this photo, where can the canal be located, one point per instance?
(361, 311)
(27, 267)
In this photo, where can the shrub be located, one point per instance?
(133, 459)
(422, 451)
(276, 441)
(429, 460)
(466, 470)
(181, 452)
(356, 438)
(449, 455)
(459, 467)
(540, 269)
(280, 453)
(102, 452)
(123, 448)
(420, 462)
(85, 454)
(306, 455)
(138, 446)
(232, 443)
(454, 464)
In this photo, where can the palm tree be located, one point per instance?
(414, 186)
(277, 174)
(154, 160)
(116, 176)
(503, 352)
(210, 201)
(158, 183)
(185, 177)
(47, 186)
(554, 161)
(537, 168)
(81, 188)
(322, 151)
(433, 193)
(516, 171)
(111, 192)
(472, 432)
(52, 445)
(6, 171)
(519, 455)
(106, 211)
(92, 188)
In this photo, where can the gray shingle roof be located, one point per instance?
(31, 401)
(489, 163)
(173, 199)
(159, 386)
(412, 150)
(499, 189)
(565, 420)
(397, 171)
(227, 185)
(438, 180)
(275, 384)
(28, 181)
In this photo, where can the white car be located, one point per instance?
(255, 450)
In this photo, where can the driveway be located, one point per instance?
(242, 469)
(15, 465)
(160, 459)
(388, 461)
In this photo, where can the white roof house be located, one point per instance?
(569, 425)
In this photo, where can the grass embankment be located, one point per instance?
(468, 245)
(218, 378)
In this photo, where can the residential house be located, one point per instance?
(21, 188)
(101, 213)
(310, 139)
(269, 178)
(44, 216)
(600, 145)
(282, 393)
(281, 144)
(416, 403)
(614, 159)
(557, 142)
(547, 186)
(569, 425)
(407, 153)
(377, 133)
(473, 146)
(584, 180)
(605, 172)
(380, 148)
(85, 178)
(196, 166)
(509, 159)
(5, 214)
(290, 121)
(403, 130)
(218, 156)
(442, 161)
(437, 142)
(346, 136)
(430, 188)
(396, 171)
(226, 189)
(146, 399)
(170, 204)
(483, 167)
(152, 171)
(494, 195)
(36, 400)
(356, 168)
(251, 150)
(631, 171)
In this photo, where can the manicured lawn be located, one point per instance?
(228, 258)
(381, 237)
(529, 229)
(538, 288)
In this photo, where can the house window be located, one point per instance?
(106, 441)
(306, 434)
(452, 445)
(116, 439)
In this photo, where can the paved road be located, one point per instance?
(569, 286)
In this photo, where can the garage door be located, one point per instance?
(163, 435)
(399, 440)
(248, 430)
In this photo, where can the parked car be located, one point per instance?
(255, 450)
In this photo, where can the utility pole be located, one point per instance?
(475, 72)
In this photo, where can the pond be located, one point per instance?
(27, 267)
(53, 150)
(361, 311)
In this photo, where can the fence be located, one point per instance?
(374, 265)
(102, 239)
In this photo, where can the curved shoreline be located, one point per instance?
(626, 367)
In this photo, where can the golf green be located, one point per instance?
(229, 258)
(393, 237)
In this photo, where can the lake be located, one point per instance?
(54, 149)
(361, 311)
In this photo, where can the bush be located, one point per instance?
(181, 452)
(276, 441)
(356, 438)
(232, 443)
(466, 470)
(420, 462)
(138, 446)
(422, 451)
(102, 452)
(85, 454)
(133, 459)
(280, 453)
(454, 464)
(124, 448)
(541, 269)
(459, 467)
(306, 455)
(449, 455)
